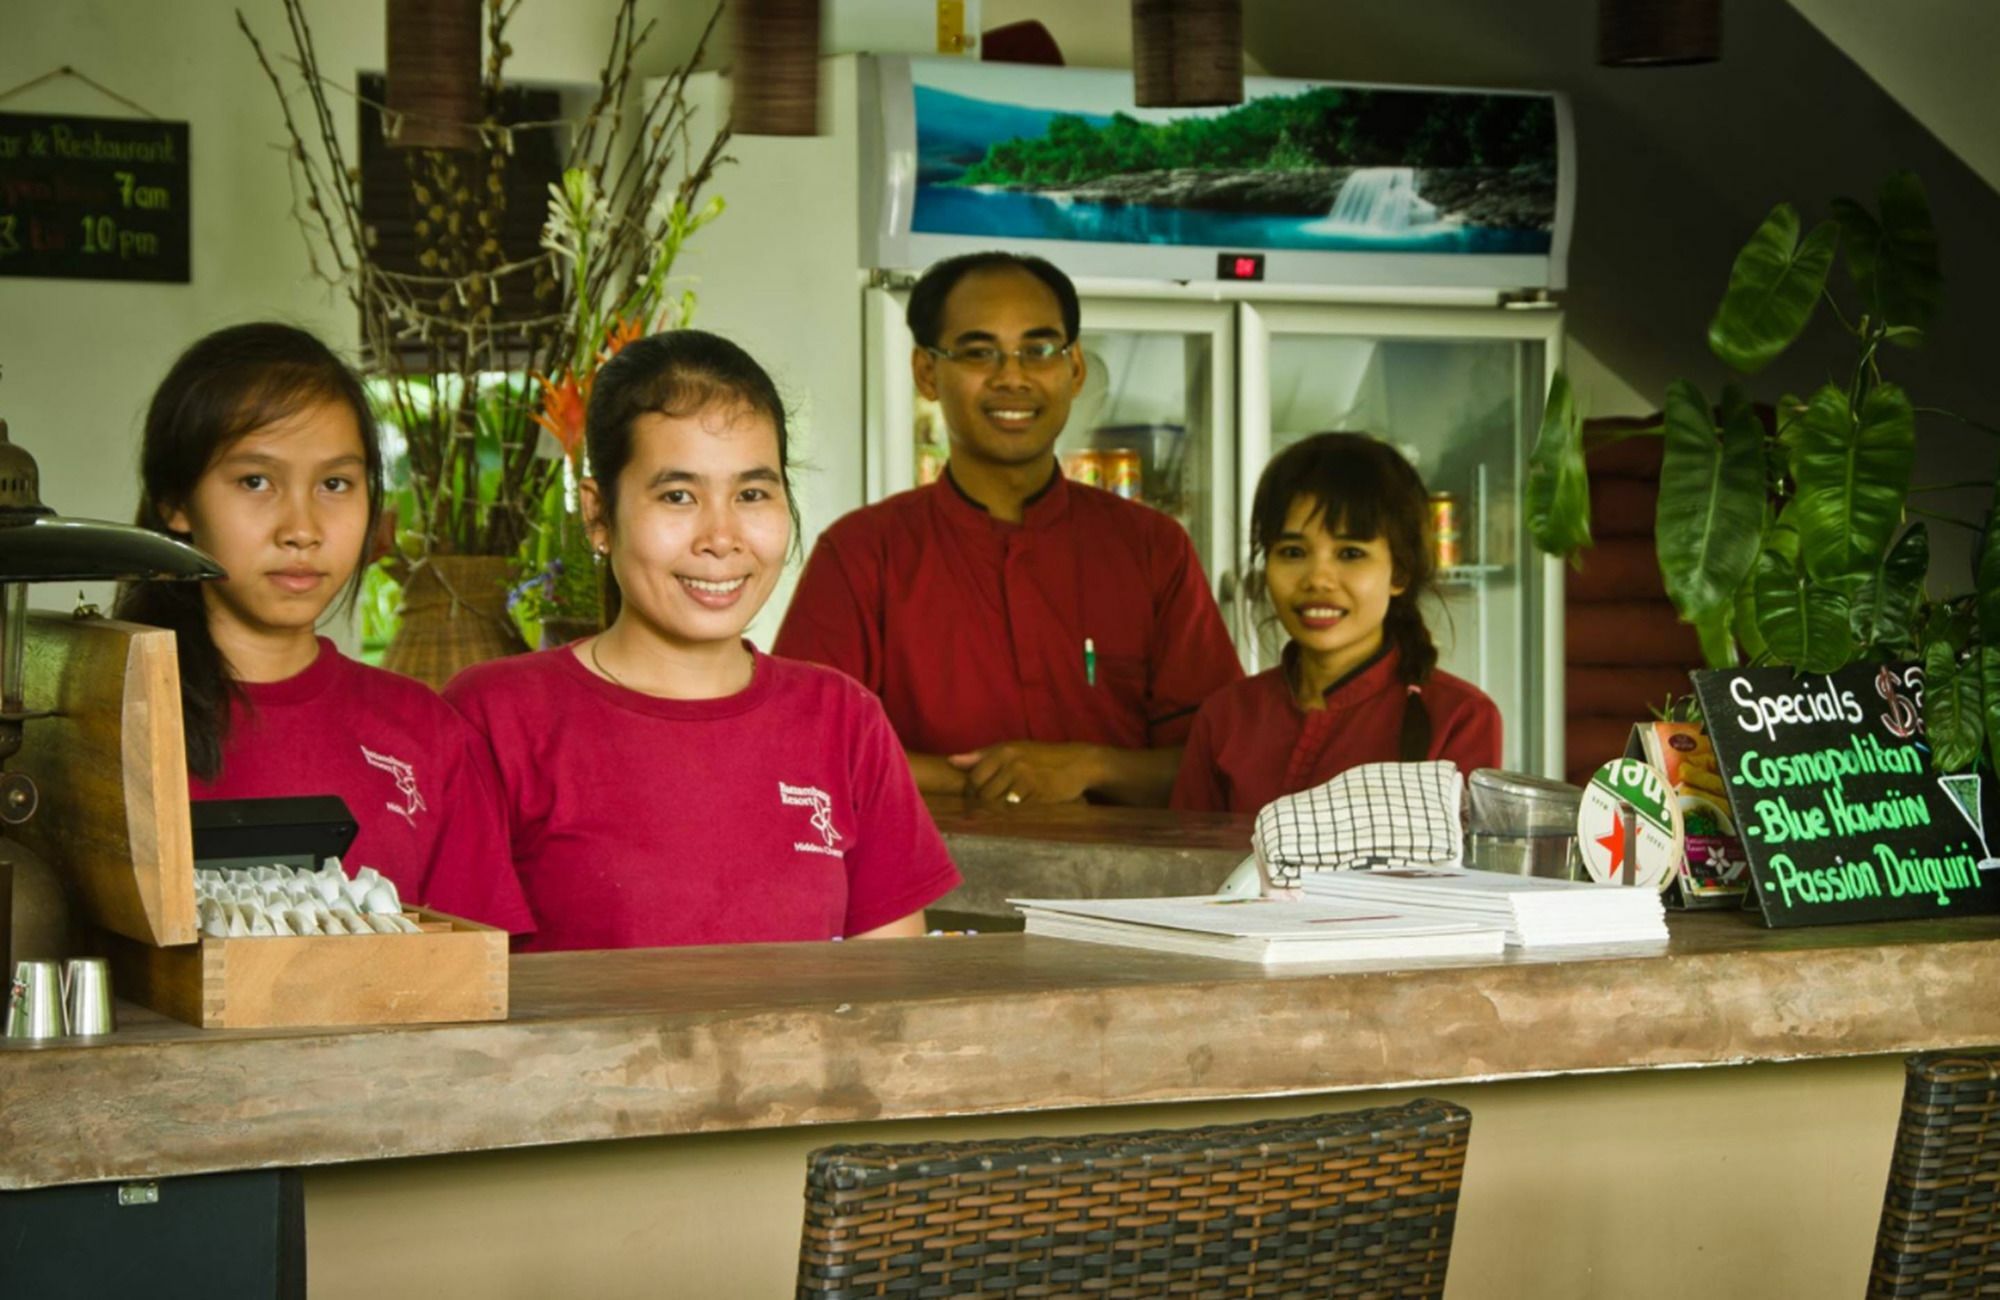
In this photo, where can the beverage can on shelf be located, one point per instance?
(1446, 544)
(1123, 472)
(1085, 467)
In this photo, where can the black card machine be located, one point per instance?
(298, 831)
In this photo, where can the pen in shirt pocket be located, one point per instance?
(1089, 662)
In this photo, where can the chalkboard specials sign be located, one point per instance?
(93, 198)
(1842, 817)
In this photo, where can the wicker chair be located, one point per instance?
(1355, 1204)
(1940, 1231)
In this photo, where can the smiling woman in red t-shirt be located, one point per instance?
(666, 783)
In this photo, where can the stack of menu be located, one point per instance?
(1275, 931)
(1534, 911)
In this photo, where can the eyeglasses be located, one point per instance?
(1036, 354)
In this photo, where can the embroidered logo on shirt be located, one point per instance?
(806, 796)
(406, 784)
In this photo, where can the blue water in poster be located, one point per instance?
(944, 209)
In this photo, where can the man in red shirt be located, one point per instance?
(1031, 638)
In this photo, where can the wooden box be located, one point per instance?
(455, 970)
(114, 822)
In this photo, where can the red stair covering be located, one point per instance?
(1625, 649)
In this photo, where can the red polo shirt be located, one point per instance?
(1252, 742)
(971, 629)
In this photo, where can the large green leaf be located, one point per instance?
(1558, 488)
(1773, 287)
(1986, 580)
(1989, 683)
(1782, 535)
(1804, 624)
(1711, 505)
(1852, 475)
(1894, 259)
(1718, 647)
(1884, 606)
(1776, 536)
(1747, 629)
(1952, 714)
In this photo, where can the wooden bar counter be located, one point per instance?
(646, 1043)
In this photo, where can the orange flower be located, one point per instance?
(562, 410)
(564, 402)
(625, 331)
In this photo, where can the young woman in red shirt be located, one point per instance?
(1340, 521)
(259, 448)
(667, 783)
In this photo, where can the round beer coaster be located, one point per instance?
(1601, 825)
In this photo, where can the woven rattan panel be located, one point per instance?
(1355, 1204)
(1940, 1233)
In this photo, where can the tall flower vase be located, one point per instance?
(454, 615)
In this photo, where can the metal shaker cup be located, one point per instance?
(87, 996)
(34, 1001)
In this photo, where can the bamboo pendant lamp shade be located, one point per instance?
(433, 92)
(1658, 33)
(1187, 53)
(775, 81)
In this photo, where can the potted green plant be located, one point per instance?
(478, 481)
(1800, 548)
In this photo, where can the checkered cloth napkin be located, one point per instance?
(1375, 815)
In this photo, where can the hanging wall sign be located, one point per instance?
(1831, 784)
(93, 198)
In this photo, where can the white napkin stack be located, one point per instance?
(255, 902)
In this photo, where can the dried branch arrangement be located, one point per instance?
(479, 476)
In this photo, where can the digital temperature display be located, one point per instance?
(1239, 266)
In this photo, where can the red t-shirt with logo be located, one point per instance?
(1252, 742)
(415, 776)
(783, 812)
(971, 629)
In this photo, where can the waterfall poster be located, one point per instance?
(1038, 153)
